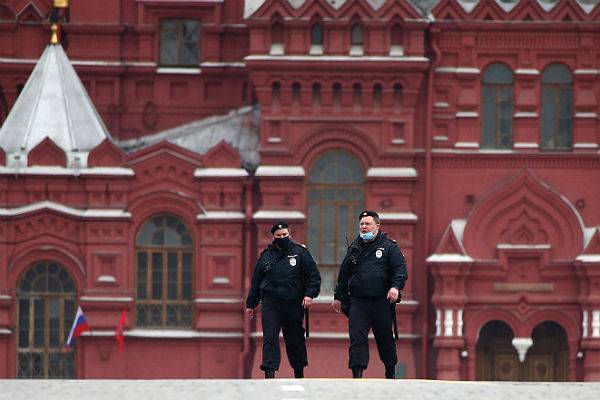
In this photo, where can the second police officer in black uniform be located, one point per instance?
(285, 280)
(369, 283)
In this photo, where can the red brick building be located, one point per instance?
(471, 126)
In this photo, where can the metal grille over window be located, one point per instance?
(497, 107)
(335, 197)
(46, 299)
(557, 108)
(165, 255)
(179, 42)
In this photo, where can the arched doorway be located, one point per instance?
(545, 361)
(496, 358)
(548, 359)
(46, 306)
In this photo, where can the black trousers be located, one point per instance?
(364, 315)
(283, 315)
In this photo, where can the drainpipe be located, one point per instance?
(428, 184)
(247, 269)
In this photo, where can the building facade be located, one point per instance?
(129, 183)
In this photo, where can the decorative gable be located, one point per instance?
(47, 153)
(593, 247)
(106, 154)
(448, 10)
(222, 156)
(30, 13)
(523, 211)
(450, 244)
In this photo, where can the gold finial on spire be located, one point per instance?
(54, 34)
(61, 3)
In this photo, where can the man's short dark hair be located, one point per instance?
(369, 213)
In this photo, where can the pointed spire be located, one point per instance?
(53, 104)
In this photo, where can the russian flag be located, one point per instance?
(80, 325)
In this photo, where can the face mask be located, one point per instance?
(367, 235)
(282, 243)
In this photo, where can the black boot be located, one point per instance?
(299, 372)
(269, 374)
(357, 372)
(390, 372)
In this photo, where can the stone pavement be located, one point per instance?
(291, 389)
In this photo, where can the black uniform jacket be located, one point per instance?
(371, 269)
(286, 274)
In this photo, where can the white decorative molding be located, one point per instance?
(459, 322)
(178, 71)
(596, 324)
(467, 114)
(466, 145)
(392, 173)
(448, 322)
(106, 298)
(586, 72)
(18, 169)
(438, 322)
(526, 71)
(589, 258)
(591, 115)
(279, 170)
(400, 216)
(440, 138)
(525, 114)
(219, 172)
(218, 300)
(448, 258)
(107, 279)
(526, 145)
(509, 246)
(522, 345)
(584, 323)
(278, 214)
(309, 58)
(76, 212)
(221, 215)
(457, 70)
(585, 146)
(4, 331)
(441, 104)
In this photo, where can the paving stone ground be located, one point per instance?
(292, 389)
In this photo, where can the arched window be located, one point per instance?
(276, 92)
(296, 93)
(164, 264)
(335, 197)
(46, 299)
(377, 94)
(337, 95)
(557, 108)
(277, 39)
(396, 41)
(316, 94)
(356, 40)
(357, 95)
(397, 95)
(497, 107)
(316, 35)
(316, 39)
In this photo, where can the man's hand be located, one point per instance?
(337, 306)
(307, 302)
(250, 312)
(393, 294)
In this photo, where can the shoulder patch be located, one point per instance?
(303, 245)
(265, 249)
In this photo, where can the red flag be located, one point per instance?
(120, 329)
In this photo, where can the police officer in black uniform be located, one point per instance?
(369, 283)
(285, 280)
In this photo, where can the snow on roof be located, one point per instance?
(239, 128)
(54, 104)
